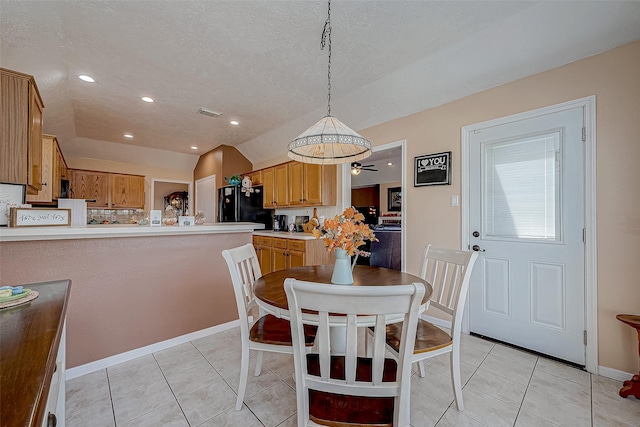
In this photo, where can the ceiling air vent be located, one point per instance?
(210, 113)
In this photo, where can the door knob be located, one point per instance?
(477, 248)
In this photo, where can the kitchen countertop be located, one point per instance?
(285, 235)
(121, 230)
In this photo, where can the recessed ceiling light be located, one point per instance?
(193, 147)
(147, 99)
(235, 123)
(86, 78)
(389, 164)
(128, 135)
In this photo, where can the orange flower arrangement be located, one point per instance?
(346, 231)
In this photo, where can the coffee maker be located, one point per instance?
(280, 223)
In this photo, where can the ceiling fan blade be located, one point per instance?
(369, 169)
(368, 166)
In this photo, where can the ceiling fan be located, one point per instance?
(356, 168)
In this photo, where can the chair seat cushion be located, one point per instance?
(428, 337)
(342, 410)
(270, 329)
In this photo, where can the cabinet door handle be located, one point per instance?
(52, 421)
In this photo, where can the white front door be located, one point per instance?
(526, 217)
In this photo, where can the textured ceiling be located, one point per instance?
(259, 62)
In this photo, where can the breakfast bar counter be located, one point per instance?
(133, 286)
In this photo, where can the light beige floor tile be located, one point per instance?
(207, 402)
(569, 391)
(471, 356)
(192, 379)
(169, 415)
(600, 420)
(453, 418)
(476, 343)
(255, 384)
(142, 400)
(130, 364)
(507, 368)
(606, 401)
(228, 365)
(280, 364)
(496, 386)
(514, 355)
(81, 396)
(273, 405)
(443, 363)
(489, 410)
(183, 348)
(425, 411)
(221, 345)
(555, 410)
(233, 334)
(180, 362)
(98, 415)
(526, 419)
(564, 371)
(131, 379)
(84, 380)
(435, 385)
(233, 418)
(292, 421)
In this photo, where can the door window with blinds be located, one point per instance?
(521, 182)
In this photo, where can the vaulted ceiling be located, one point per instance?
(260, 63)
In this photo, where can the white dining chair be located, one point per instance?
(449, 272)
(267, 332)
(346, 389)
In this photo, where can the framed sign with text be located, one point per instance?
(432, 169)
(39, 217)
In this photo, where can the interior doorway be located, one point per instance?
(374, 186)
(160, 188)
(206, 195)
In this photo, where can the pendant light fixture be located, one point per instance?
(329, 141)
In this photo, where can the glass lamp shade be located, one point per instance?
(329, 142)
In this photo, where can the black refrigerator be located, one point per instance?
(234, 205)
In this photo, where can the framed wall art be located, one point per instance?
(432, 169)
(394, 199)
(10, 195)
(39, 217)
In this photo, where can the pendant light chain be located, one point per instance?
(326, 35)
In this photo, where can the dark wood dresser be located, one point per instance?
(32, 358)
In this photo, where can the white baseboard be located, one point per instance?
(143, 351)
(614, 374)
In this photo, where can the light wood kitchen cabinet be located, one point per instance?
(268, 184)
(63, 170)
(296, 184)
(281, 185)
(278, 253)
(90, 185)
(127, 191)
(256, 177)
(262, 245)
(20, 130)
(49, 172)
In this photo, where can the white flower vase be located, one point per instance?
(342, 269)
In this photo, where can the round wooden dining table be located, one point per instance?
(270, 295)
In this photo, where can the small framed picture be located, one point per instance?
(38, 217)
(433, 169)
(394, 199)
(186, 221)
(11, 195)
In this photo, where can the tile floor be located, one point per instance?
(194, 384)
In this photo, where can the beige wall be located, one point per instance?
(223, 161)
(131, 292)
(149, 172)
(613, 77)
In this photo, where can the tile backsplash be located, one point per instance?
(110, 216)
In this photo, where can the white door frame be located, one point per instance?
(590, 248)
(215, 195)
(346, 189)
(174, 181)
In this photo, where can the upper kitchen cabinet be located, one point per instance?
(268, 183)
(90, 185)
(311, 184)
(127, 191)
(109, 190)
(281, 185)
(21, 130)
(256, 177)
(49, 166)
